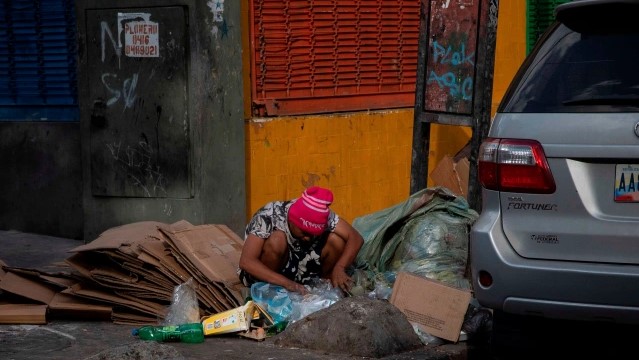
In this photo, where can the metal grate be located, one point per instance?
(539, 15)
(314, 56)
(38, 60)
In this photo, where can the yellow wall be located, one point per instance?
(511, 46)
(364, 157)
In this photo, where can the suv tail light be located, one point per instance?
(514, 165)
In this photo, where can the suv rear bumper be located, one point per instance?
(549, 288)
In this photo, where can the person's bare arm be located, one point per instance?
(353, 243)
(251, 263)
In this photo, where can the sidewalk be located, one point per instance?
(66, 339)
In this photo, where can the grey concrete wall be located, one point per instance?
(213, 122)
(41, 178)
(45, 176)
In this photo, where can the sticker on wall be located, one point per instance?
(141, 35)
(217, 9)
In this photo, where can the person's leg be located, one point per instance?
(331, 252)
(275, 251)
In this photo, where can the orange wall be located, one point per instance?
(511, 46)
(364, 157)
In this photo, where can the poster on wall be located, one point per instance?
(141, 37)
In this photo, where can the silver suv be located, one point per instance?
(558, 234)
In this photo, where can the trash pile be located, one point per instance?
(128, 275)
(414, 256)
(425, 235)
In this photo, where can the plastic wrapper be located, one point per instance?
(321, 295)
(285, 306)
(274, 299)
(184, 307)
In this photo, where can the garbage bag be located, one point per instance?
(426, 235)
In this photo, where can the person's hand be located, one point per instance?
(339, 279)
(296, 287)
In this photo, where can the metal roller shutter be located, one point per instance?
(317, 56)
(38, 60)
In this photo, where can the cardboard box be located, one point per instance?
(452, 174)
(437, 307)
(230, 321)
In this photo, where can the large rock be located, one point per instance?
(356, 326)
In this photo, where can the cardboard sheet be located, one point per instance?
(69, 306)
(129, 273)
(452, 174)
(439, 308)
(23, 314)
(28, 288)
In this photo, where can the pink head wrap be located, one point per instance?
(310, 212)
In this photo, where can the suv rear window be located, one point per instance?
(578, 72)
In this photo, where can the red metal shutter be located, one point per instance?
(318, 56)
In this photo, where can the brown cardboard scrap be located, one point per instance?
(437, 307)
(101, 269)
(59, 279)
(129, 272)
(26, 287)
(23, 314)
(121, 236)
(452, 174)
(167, 263)
(104, 295)
(66, 305)
(214, 249)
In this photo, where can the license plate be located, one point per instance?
(627, 183)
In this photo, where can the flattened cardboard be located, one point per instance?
(439, 308)
(167, 264)
(211, 249)
(121, 236)
(452, 174)
(28, 288)
(23, 314)
(138, 265)
(65, 305)
(59, 279)
(143, 306)
(211, 254)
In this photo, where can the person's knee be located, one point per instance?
(276, 243)
(333, 248)
(274, 251)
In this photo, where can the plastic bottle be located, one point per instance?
(186, 333)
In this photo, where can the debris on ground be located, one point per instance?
(358, 326)
(145, 350)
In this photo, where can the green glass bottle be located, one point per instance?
(186, 333)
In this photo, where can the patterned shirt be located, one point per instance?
(303, 263)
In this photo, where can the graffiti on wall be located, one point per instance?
(450, 67)
(219, 24)
(137, 36)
